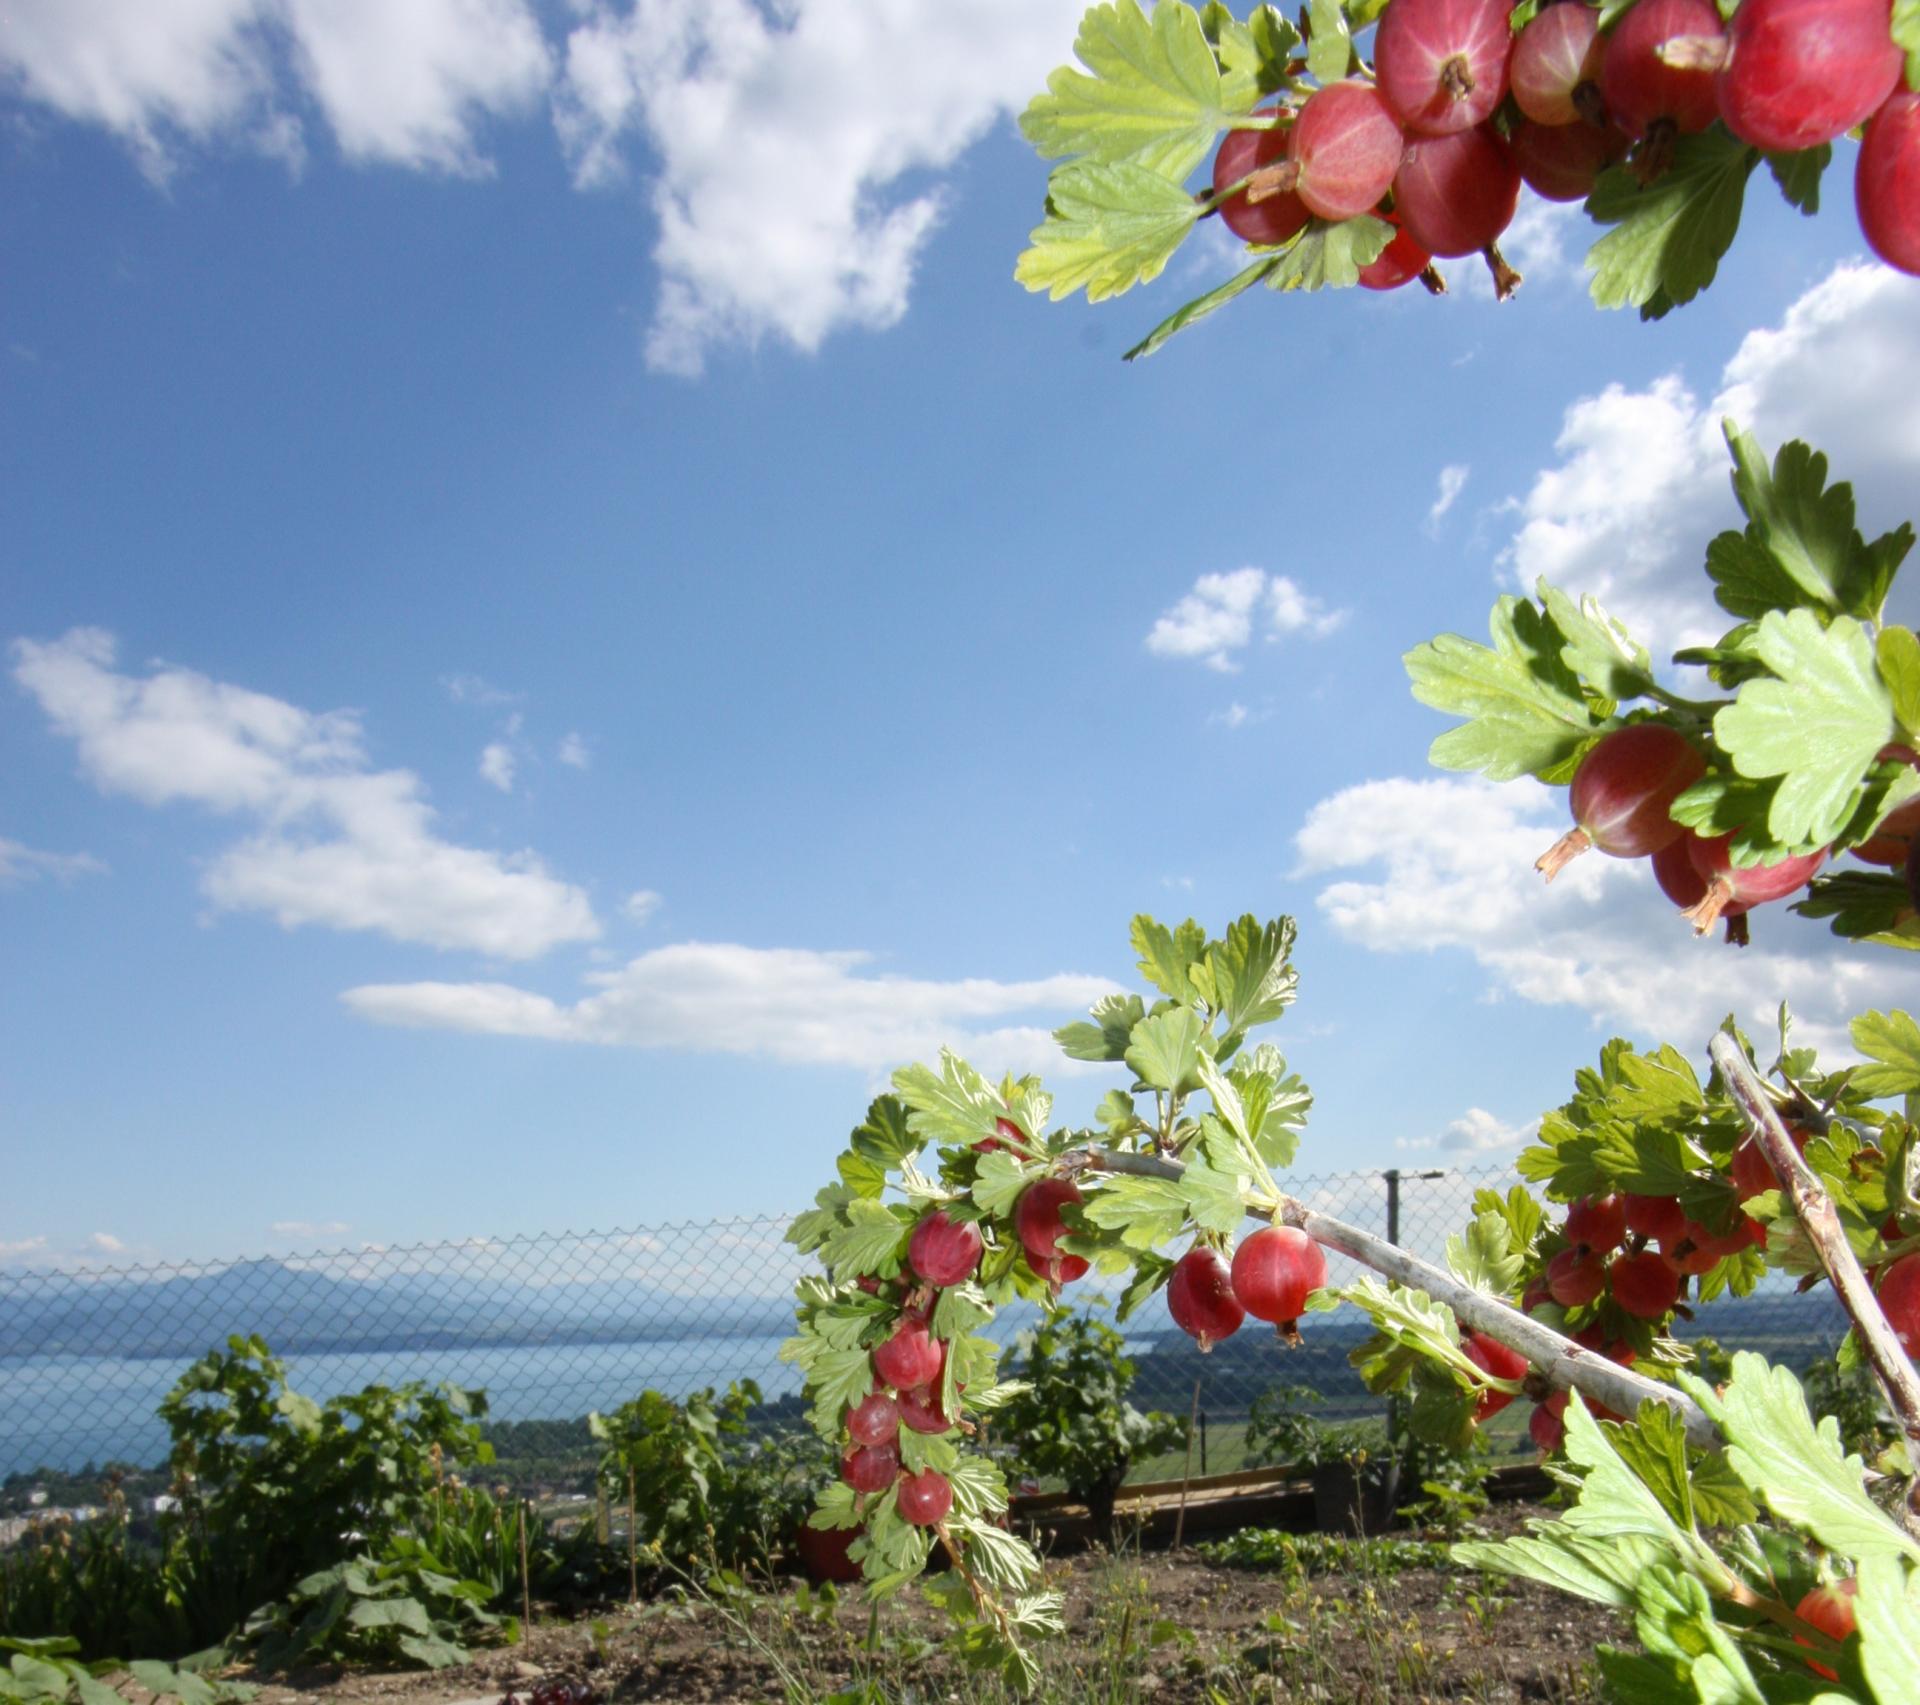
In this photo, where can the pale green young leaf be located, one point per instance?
(1668, 236)
(1605, 1572)
(921, 1451)
(1201, 306)
(1330, 43)
(1524, 710)
(1259, 48)
(815, 1225)
(1167, 955)
(1891, 1040)
(1615, 1504)
(960, 1309)
(1655, 1448)
(1215, 1199)
(1146, 1212)
(1817, 727)
(1906, 31)
(996, 1556)
(979, 1488)
(1106, 1038)
(1330, 255)
(1249, 975)
(1166, 1049)
(1484, 1256)
(1887, 1613)
(1153, 92)
(862, 1176)
(1108, 228)
(872, 1239)
(954, 1105)
(1897, 651)
(1117, 1113)
(1598, 649)
(1801, 1472)
(998, 1182)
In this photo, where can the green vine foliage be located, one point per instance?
(1807, 728)
(1131, 124)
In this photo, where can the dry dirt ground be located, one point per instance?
(1147, 1628)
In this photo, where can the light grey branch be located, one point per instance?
(1814, 1208)
(1565, 1363)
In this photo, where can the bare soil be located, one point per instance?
(1140, 1627)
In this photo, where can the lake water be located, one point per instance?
(65, 1411)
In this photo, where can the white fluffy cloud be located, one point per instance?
(640, 905)
(780, 134)
(573, 752)
(1224, 613)
(1641, 484)
(497, 765)
(408, 85)
(788, 1004)
(19, 864)
(1475, 1132)
(334, 843)
(1447, 863)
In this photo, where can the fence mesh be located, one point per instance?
(552, 1327)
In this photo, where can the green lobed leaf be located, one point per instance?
(1484, 1256)
(1897, 651)
(1801, 1472)
(1329, 255)
(1798, 175)
(1524, 708)
(1668, 236)
(1108, 228)
(1146, 1212)
(885, 1137)
(1892, 1041)
(1330, 43)
(1167, 954)
(1863, 906)
(1201, 306)
(1215, 1199)
(872, 1239)
(1906, 31)
(954, 1105)
(1166, 1048)
(1106, 1038)
(996, 1556)
(1247, 977)
(1887, 1613)
(1260, 48)
(1598, 648)
(1817, 727)
(1153, 92)
(999, 1181)
(1606, 1572)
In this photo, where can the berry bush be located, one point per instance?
(1360, 143)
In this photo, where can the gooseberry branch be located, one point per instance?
(1814, 1209)
(1561, 1362)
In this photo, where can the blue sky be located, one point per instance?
(565, 615)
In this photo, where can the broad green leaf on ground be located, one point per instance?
(1330, 46)
(1668, 236)
(1818, 727)
(1330, 255)
(1891, 1041)
(1806, 527)
(1887, 1612)
(1108, 228)
(1524, 709)
(1801, 1472)
(1165, 954)
(1598, 649)
(1798, 175)
(1165, 1050)
(1201, 306)
(1260, 48)
(1107, 1036)
(1152, 92)
(1247, 977)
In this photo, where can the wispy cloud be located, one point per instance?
(573, 752)
(1453, 481)
(334, 842)
(21, 864)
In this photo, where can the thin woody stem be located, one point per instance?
(1814, 1209)
(1564, 1363)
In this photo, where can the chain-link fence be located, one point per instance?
(552, 1327)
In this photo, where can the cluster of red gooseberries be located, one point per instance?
(1621, 797)
(1434, 145)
